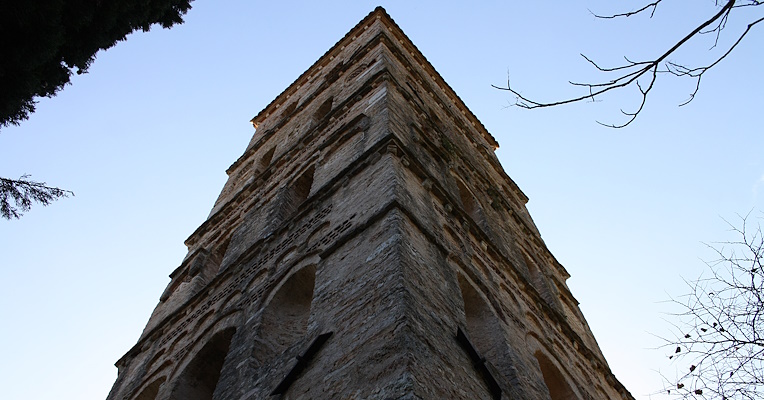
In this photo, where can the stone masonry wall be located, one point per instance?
(367, 245)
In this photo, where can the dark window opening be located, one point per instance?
(482, 324)
(151, 391)
(469, 204)
(539, 281)
(297, 193)
(323, 110)
(219, 253)
(290, 198)
(555, 382)
(290, 109)
(265, 161)
(486, 335)
(200, 377)
(285, 320)
(301, 188)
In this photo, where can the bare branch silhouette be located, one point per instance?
(719, 344)
(630, 73)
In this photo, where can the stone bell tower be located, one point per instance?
(367, 245)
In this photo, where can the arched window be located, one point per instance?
(295, 194)
(470, 205)
(200, 377)
(285, 320)
(290, 198)
(150, 391)
(483, 326)
(540, 282)
(323, 110)
(290, 109)
(265, 161)
(559, 389)
(215, 256)
(468, 200)
(301, 187)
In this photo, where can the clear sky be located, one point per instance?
(144, 139)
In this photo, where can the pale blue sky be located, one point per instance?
(145, 137)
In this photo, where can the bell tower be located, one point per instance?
(367, 245)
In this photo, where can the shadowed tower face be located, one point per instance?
(367, 245)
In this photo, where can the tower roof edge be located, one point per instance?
(379, 13)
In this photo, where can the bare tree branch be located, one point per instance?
(652, 5)
(719, 344)
(24, 192)
(697, 72)
(631, 72)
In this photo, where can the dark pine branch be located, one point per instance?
(17, 196)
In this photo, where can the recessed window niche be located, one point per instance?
(200, 377)
(285, 320)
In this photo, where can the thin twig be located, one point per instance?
(633, 71)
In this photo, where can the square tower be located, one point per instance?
(367, 245)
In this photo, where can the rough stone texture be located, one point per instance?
(369, 205)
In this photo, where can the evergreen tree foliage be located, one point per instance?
(43, 42)
(17, 195)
